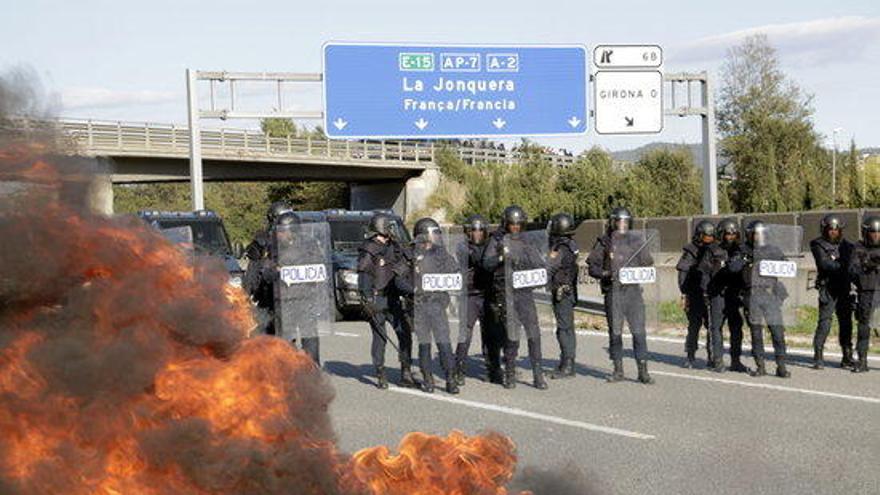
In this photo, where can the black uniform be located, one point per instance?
(478, 281)
(520, 256)
(258, 281)
(622, 302)
(833, 283)
(694, 271)
(430, 317)
(725, 299)
(292, 301)
(865, 272)
(763, 298)
(563, 276)
(381, 298)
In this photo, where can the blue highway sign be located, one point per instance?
(418, 91)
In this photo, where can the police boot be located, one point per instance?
(691, 361)
(425, 368)
(565, 369)
(381, 379)
(493, 368)
(818, 359)
(737, 366)
(718, 365)
(509, 374)
(427, 381)
(617, 374)
(644, 377)
(847, 361)
(781, 370)
(459, 373)
(861, 366)
(406, 376)
(538, 377)
(760, 370)
(451, 384)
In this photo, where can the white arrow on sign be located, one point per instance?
(574, 122)
(421, 124)
(498, 123)
(339, 123)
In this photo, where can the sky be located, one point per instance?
(125, 60)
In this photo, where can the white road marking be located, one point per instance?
(323, 333)
(525, 414)
(870, 400)
(676, 340)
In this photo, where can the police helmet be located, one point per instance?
(425, 229)
(756, 234)
(831, 222)
(380, 224)
(513, 215)
(476, 223)
(704, 228)
(728, 226)
(275, 210)
(871, 231)
(287, 219)
(561, 224)
(620, 220)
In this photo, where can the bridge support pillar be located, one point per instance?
(405, 198)
(100, 194)
(419, 189)
(379, 195)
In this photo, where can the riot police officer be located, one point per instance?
(865, 270)
(256, 283)
(693, 276)
(522, 310)
(478, 280)
(727, 282)
(295, 307)
(377, 258)
(832, 253)
(259, 246)
(430, 309)
(563, 276)
(617, 249)
(764, 297)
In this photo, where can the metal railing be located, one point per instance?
(169, 140)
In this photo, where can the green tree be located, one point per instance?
(664, 182)
(278, 127)
(764, 119)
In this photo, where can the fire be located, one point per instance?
(126, 367)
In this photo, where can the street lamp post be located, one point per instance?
(834, 167)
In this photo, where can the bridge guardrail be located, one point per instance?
(172, 140)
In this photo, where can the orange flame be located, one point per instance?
(125, 368)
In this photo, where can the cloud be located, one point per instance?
(100, 98)
(822, 41)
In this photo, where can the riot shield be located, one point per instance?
(772, 278)
(525, 273)
(303, 284)
(635, 290)
(440, 290)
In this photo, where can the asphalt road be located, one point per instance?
(694, 431)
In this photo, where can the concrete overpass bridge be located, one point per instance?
(382, 174)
